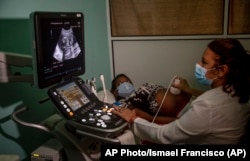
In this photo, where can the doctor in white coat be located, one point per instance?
(217, 116)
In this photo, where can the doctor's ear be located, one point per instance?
(224, 69)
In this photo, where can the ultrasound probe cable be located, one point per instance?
(165, 94)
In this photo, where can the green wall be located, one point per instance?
(15, 37)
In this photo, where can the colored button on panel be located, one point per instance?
(71, 113)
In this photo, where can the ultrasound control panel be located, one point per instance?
(78, 104)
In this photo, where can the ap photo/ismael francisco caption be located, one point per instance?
(173, 152)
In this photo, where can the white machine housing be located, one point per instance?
(9, 60)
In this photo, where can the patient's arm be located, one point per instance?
(158, 119)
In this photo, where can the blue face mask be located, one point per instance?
(200, 74)
(125, 89)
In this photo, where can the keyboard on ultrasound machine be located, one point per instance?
(83, 110)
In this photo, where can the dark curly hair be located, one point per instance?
(232, 53)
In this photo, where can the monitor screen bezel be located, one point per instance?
(37, 19)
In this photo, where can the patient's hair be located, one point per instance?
(113, 83)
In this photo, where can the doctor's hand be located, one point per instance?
(125, 113)
(182, 85)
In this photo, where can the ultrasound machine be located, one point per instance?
(58, 60)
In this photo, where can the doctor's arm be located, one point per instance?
(190, 128)
(150, 118)
(129, 115)
(185, 129)
(184, 86)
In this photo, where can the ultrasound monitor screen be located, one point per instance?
(73, 96)
(59, 41)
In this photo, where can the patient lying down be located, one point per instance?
(145, 101)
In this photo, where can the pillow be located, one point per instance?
(110, 96)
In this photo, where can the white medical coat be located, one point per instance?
(215, 117)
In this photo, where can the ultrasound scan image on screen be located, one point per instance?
(59, 53)
(67, 46)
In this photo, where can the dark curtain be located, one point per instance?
(166, 17)
(239, 17)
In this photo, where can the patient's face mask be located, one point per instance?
(200, 74)
(125, 89)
